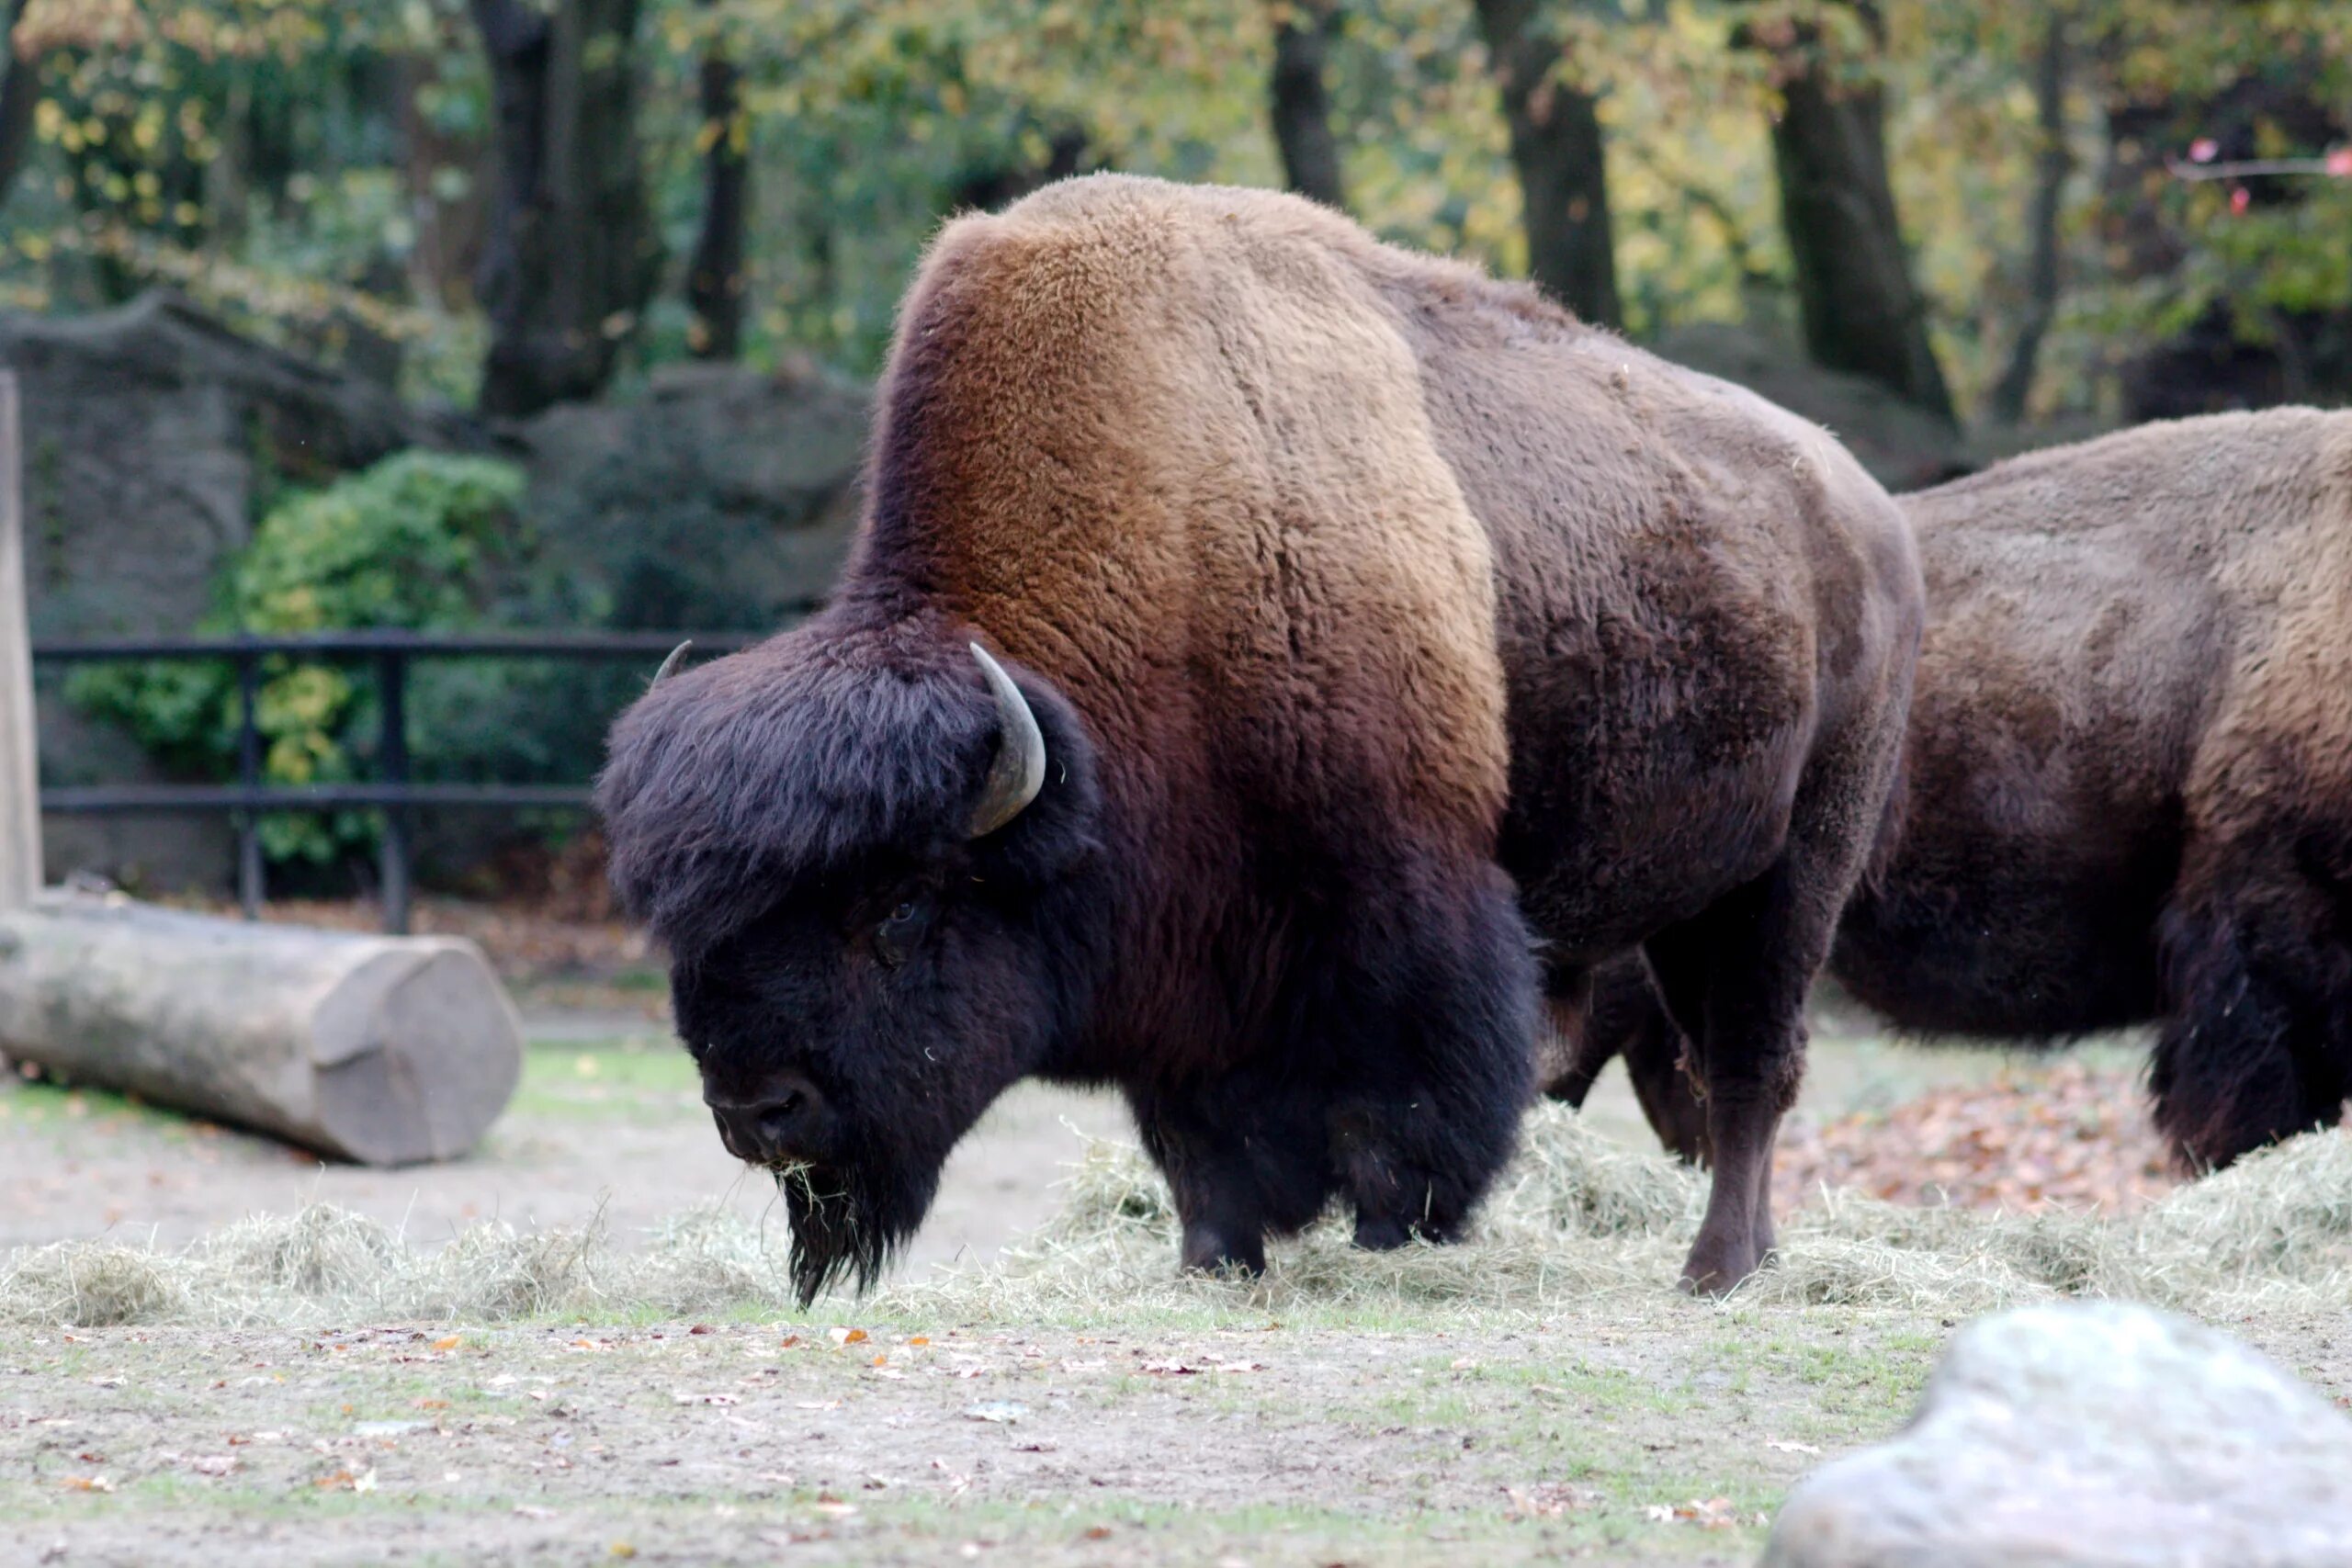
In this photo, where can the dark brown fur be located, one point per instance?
(1349, 585)
(2129, 790)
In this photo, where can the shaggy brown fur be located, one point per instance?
(1345, 580)
(2129, 775)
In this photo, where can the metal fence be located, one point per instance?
(391, 791)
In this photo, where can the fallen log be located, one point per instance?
(382, 1050)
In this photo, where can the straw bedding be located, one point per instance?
(1577, 1216)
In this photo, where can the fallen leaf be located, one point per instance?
(920, 1339)
(1710, 1512)
(848, 1336)
(531, 1511)
(448, 1342)
(1788, 1447)
(620, 1548)
(1003, 1412)
(88, 1484)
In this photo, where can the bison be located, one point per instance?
(1268, 663)
(2128, 785)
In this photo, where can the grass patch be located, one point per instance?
(623, 1077)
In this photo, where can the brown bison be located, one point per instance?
(1241, 606)
(2128, 785)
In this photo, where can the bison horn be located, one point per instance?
(670, 665)
(1019, 770)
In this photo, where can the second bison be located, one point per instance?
(1268, 661)
(2128, 790)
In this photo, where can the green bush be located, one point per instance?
(423, 541)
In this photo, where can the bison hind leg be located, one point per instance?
(2256, 1038)
(1622, 1016)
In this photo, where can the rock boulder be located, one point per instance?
(2089, 1435)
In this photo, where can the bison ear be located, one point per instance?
(1019, 770)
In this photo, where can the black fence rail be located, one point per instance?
(392, 792)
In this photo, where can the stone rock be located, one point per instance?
(2089, 1435)
(1904, 447)
(148, 431)
(722, 499)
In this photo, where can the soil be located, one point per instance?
(927, 1442)
(1666, 1430)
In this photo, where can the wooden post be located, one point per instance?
(19, 775)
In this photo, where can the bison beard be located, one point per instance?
(847, 1223)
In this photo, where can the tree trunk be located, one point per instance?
(2011, 394)
(715, 281)
(19, 92)
(384, 1050)
(1302, 101)
(1556, 144)
(1860, 309)
(991, 185)
(570, 257)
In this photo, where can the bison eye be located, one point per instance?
(896, 938)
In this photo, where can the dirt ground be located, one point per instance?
(1662, 1430)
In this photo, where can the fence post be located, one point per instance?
(250, 888)
(391, 695)
(20, 875)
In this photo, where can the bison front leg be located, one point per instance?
(1245, 1158)
(1435, 1017)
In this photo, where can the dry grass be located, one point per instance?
(1577, 1216)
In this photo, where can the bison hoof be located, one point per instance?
(1210, 1249)
(1718, 1269)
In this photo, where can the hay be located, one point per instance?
(1576, 1218)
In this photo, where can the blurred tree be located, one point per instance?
(1557, 146)
(2236, 292)
(1302, 99)
(2008, 400)
(715, 277)
(19, 92)
(1860, 309)
(571, 257)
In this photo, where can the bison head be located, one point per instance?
(874, 857)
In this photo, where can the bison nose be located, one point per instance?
(778, 1126)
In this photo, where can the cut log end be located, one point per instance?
(442, 1060)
